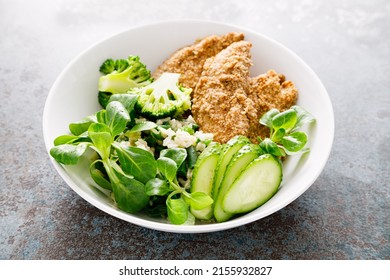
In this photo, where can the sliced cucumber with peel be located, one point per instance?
(203, 178)
(237, 164)
(255, 185)
(229, 149)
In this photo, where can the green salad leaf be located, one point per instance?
(157, 186)
(167, 167)
(68, 154)
(78, 128)
(143, 126)
(303, 117)
(137, 162)
(295, 141)
(177, 210)
(285, 120)
(178, 155)
(99, 175)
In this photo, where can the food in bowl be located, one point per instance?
(189, 143)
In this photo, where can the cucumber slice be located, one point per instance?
(203, 177)
(229, 149)
(239, 162)
(256, 185)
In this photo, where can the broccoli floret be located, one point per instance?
(162, 98)
(103, 98)
(121, 65)
(108, 66)
(120, 76)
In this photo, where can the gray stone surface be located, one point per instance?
(344, 215)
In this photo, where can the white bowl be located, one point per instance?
(74, 96)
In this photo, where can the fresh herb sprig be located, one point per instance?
(285, 139)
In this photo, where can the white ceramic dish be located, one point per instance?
(74, 96)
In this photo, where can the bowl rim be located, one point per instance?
(167, 227)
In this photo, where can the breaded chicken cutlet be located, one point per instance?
(188, 61)
(220, 101)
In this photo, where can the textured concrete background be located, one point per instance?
(344, 215)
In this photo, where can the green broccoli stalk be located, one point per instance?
(120, 76)
(163, 98)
